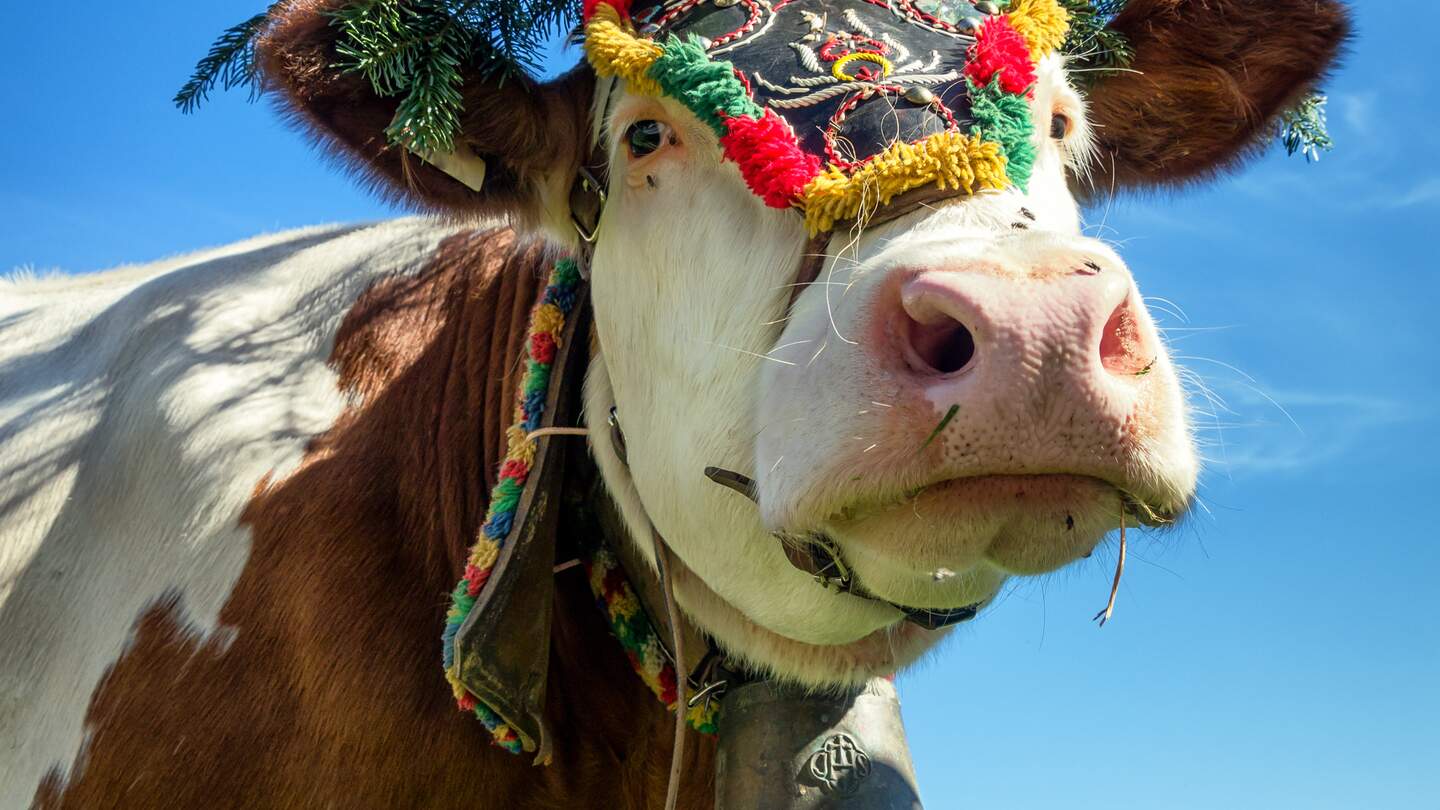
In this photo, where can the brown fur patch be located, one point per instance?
(1211, 78)
(526, 132)
(331, 694)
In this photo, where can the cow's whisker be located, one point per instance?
(752, 354)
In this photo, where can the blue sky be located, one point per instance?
(1279, 650)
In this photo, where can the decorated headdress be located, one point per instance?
(837, 108)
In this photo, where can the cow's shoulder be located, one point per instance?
(139, 410)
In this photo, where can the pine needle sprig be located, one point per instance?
(1304, 128)
(229, 64)
(1095, 49)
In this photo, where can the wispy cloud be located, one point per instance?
(1425, 192)
(1357, 112)
(1245, 428)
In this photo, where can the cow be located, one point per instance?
(236, 486)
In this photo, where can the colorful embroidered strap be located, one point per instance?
(850, 81)
(628, 620)
(547, 321)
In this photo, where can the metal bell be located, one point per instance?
(783, 749)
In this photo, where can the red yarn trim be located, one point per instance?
(475, 579)
(770, 158)
(999, 48)
(515, 468)
(542, 347)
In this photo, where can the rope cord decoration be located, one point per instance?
(992, 148)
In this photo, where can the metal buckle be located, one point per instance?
(841, 578)
(590, 184)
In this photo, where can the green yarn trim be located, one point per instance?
(566, 273)
(537, 377)
(1005, 119)
(708, 89)
(505, 496)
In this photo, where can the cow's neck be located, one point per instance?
(330, 689)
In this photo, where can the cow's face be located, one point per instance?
(971, 391)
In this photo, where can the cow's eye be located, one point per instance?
(644, 137)
(1059, 126)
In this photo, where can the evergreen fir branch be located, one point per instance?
(415, 49)
(1095, 50)
(230, 64)
(1304, 129)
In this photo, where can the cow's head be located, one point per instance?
(970, 389)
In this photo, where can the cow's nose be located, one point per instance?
(1085, 320)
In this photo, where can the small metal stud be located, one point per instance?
(969, 23)
(919, 95)
(725, 3)
(987, 7)
(703, 42)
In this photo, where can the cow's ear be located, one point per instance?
(1208, 81)
(520, 142)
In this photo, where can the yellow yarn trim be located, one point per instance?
(614, 51)
(838, 69)
(704, 713)
(520, 447)
(1043, 24)
(455, 685)
(547, 318)
(948, 159)
(484, 555)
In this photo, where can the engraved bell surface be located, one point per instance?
(781, 749)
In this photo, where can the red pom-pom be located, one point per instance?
(622, 7)
(467, 702)
(999, 48)
(770, 159)
(542, 347)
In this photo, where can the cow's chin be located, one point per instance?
(880, 653)
(953, 543)
(950, 545)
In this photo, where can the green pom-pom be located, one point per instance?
(1005, 119)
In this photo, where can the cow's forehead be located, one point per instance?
(831, 107)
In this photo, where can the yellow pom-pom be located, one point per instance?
(948, 159)
(1043, 24)
(614, 51)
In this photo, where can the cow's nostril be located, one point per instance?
(1123, 348)
(944, 347)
